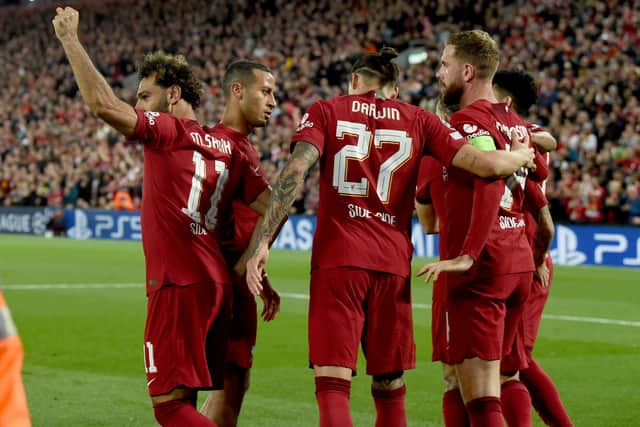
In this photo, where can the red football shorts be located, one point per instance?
(440, 352)
(185, 337)
(244, 326)
(351, 306)
(483, 315)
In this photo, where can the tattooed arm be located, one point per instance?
(284, 194)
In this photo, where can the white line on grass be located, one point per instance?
(31, 287)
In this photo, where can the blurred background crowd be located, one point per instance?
(584, 55)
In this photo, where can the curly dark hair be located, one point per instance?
(520, 86)
(172, 70)
(378, 65)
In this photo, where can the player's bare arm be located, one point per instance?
(544, 141)
(542, 243)
(284, 194)
(95, 90)
(496, 163)
(427, 217)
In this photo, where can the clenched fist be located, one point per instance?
(66, 23)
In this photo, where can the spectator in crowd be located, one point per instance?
(584, 58)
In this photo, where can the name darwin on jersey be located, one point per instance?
(370, 109)
(209, 141)
(356, 211)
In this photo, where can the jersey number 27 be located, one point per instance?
(361, 151)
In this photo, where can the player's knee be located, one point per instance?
(450, 378)
(389, 381)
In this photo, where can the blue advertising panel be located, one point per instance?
(572, 244)
(24, 220)
(593, 245)
(102, 224)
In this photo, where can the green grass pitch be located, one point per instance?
(84, 360)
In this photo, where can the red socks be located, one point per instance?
(516, 404)
(332, 395)
(390, 407)
(455, 414)
(179, 413)
(485, 412)
(544, 396)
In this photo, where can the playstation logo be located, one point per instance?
(566, 252)
(80, 229)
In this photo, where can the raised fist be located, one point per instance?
(66, 22)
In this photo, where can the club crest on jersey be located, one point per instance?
(469, 128)
(304, 123)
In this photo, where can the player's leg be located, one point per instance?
(476, 317)
(388, 345)
(516, 401)
(223, 406)
(336, 319)
(453, 410)
(13, 402)
(178, 320)
(544, 394)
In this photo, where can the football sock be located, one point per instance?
(516, 404)
(544, 396)
(332, 395)
(180, 413)
(390, 407)
(453, 409)
(485, 412)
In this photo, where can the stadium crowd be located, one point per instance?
(583, 55)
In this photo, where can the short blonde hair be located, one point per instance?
(477, 48)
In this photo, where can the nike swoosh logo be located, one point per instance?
(150, 381)
(256, 169)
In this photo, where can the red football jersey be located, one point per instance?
(432, 176)
(184, 172)
(240, 220)
(485, 218)
(370, 152)
(191, 175)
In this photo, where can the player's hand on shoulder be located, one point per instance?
(65, 23)
(270, 300)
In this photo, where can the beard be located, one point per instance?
(162, 106)
(452, 95)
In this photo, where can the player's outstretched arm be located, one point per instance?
(284, 194)
(95, 90)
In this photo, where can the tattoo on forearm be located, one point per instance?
(288, 187)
